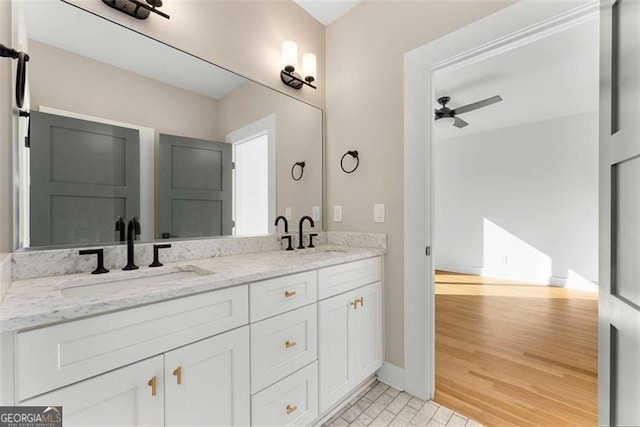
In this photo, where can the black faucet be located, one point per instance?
(307, 217)
(120, 227)
(133, 230)
(286, 223)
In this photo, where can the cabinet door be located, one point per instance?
(207, 382)
(123, 397)
(368, 331)
(335, 349)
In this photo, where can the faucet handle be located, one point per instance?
(156, 262)
(100, 252)
(288, 239)
(311, 236)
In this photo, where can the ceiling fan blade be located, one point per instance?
(459, 123)
(476, 105)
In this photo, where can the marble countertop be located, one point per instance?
(37, 302)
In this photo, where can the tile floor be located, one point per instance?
(381, 405)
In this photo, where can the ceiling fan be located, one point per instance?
(446, 116)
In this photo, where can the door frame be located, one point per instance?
(507, 29)
(266, 125)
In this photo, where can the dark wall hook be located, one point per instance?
(302, 165)
(21, 79)
(353, 154)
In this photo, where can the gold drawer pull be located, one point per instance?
(153, 383)
(354, 304)
(178, 373)
(361, 301)
(289, 294)
(291, 408)
(289, 344)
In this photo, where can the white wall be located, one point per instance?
(6, 133)
(365, 64)
(520, 202)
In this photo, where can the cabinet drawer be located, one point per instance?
(282, 345)
(58, 355)
(344, 277)
(282, 294)
(292, 401)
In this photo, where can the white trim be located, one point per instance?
(147, 166)
(513, 26)
(391, 375)
(252, 130)
(356, 394)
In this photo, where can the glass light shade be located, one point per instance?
(289, 55)
(309, 67)
(444, 122)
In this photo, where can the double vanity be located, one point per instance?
(261, 338)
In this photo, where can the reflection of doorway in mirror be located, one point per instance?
(250, 185)
(254, 177)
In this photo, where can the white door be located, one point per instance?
(207, 382)
(335, 349)
(129, 396)
(619, 307)
(368, 331)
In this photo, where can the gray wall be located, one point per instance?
(6, 138)
(365, 53)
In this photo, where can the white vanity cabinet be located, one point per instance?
(282, 351)
(350, 330)
(123, 397)
(207, 382)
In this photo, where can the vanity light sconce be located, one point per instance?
(21, 79)
(353, 154)
(293, 175)
(290, 62)
(136, 8)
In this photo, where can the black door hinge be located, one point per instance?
(428, 250)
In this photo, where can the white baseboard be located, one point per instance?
(391, 375)
(528, 279)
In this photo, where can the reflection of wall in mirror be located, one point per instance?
(298, 138)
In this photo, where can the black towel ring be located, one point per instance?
(353, 154)
(301, 164)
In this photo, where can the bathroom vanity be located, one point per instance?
(282, 341)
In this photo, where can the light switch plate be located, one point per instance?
(315, 213)
(337, 213)
(287, 213)
(378, 212)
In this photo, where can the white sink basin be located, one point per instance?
(97, 286)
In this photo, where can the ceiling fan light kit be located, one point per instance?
(445, 116)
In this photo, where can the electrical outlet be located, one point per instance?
(378, 213)
(287, 213)
(315, 213)
(337, 213)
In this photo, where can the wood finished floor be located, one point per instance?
(514, 354)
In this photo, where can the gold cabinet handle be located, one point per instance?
(178, 374)
(291, 408)
(354, 304)
(153, 383)
(361, 301)
(289, 344)
(289, 294)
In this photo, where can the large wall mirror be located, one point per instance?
(123, 125)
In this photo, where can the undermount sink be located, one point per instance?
(95, 287)
(330, 251)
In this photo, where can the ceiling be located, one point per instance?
(552, 77)
(99, 39)
(327, 11)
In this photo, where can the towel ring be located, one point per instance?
(353, 154)
(301, 164)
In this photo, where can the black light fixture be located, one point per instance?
(290, 62)
(136, 8)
